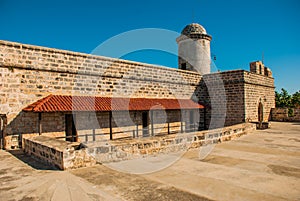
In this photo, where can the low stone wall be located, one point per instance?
(66, 155)
(61, 154)
(118, 150)
(281, 114)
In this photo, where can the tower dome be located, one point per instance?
(193, 28)
(194, 49)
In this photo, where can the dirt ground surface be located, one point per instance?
(263, 165)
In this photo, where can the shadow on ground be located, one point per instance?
(296, 123)
(34, 163)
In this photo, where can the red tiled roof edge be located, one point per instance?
(65, 103)
(34, 107)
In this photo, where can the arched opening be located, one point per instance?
(260, 112)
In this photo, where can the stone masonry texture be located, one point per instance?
(29, 73)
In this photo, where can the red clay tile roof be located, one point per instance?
(61, 103)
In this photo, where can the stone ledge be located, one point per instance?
(119, 150)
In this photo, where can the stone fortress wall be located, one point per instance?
(244, 90)
(282, 114)
(258, 89)
(29, 73)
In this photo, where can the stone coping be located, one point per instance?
(54, 143)
(138, 148)
(131, 141)
(79, 54)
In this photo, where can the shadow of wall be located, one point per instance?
(223, 96)
(26, 124)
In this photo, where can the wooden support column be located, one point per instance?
(40, 123)
(137, 130)
(168, 128)
(181, 123)
(152, 128)
(199, 121)
(204, 119)
(94, 135)
(74, 129)
(110, 125)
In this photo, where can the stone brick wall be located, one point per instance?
(235, 95)
(30, 72)
(139, 148)
(60, 154)
(65, 155)
(25, 124)
(281, 114)
(224, 94)
(258, 88)
(258, 67)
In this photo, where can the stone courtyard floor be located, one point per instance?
(263, 165)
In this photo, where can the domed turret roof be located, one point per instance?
(192, 29)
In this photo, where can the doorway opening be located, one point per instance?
(260, 112)
(71, 132)
(145, 124)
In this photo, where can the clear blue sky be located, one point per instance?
(241, 29)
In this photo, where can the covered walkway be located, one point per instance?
(91, 118)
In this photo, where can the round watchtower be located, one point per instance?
(194, 49)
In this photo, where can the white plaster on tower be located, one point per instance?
(194, 49)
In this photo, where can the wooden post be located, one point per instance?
(181, 123)
(40, 124)
(168, 128)
(94, 135)
(181, 126)
(110, 125)
(137, 130)
(204, 117)
(86, 137)
(74, 129)
(152, 129)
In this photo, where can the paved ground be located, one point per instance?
(264, 165)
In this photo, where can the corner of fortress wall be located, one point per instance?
(244, 90)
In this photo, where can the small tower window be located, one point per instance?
(183, 66)
(260, 69)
